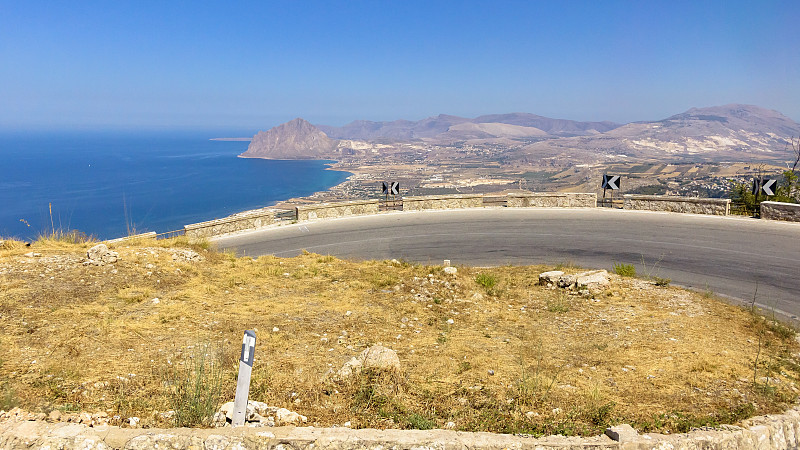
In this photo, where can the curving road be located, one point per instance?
(724, 255)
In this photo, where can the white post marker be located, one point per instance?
(243, 380)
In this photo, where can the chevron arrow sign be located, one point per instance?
(611, 182)
(767, 186)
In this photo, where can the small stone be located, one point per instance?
(285, 417)
(133, 422)
(54, 416)
(275, 329)
(348, 313)
(449, 425)
(156, 301)
(531, 414)
(491, 372)
(450, 270)
(622, 433)
(347, 424)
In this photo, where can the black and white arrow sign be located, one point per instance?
(767, 186)
(392, 187)
(611, 182)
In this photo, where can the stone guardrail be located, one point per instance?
(712, 206)
(780, 211)
(552, 200)
(258, 218)
(247, 220)
(148, 235)
(338, 209)
(457, 201)
(759, 433)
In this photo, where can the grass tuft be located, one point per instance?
(197, 388)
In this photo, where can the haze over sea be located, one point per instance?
(107, 183)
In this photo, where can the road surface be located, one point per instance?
(732, 256)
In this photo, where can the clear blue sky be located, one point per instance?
(251, 65)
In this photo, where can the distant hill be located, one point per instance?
(297, 139)
(451, 127)
(729, 132)
(736, 132)
(555, 127)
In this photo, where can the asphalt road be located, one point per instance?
(728, 256)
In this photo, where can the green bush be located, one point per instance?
(625, 270)
(486, 280)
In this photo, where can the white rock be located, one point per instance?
(285, 417)
(550, 277)
(380, 357)
(450, 270)
(449, 425)
(134, 422)
(450, 321)
(101, 254)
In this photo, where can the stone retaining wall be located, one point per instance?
(780, 211)
(247, 220)
(712, 206)
(338, 209)
(552, 200)
(760, 433)
(457, 201)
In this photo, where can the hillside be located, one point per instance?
(296, 139)
(489, 349)
(730, 132)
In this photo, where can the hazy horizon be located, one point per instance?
(250, 66)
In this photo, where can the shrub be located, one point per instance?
(625, 270)
(197, 388)
(486, 280)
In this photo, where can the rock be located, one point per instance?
(54, 416)
(381, 358)
(449, 425)
(450, 270)
(285, 417)
(32, 255)
(100, 254)
(450, 321)
(622, 433)
(375, 357)
(134, 422)
(183, 255)
(349, 369)
(593, 280)
(550, 277)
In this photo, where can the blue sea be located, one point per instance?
(109, 183)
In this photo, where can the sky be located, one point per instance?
(252, 65)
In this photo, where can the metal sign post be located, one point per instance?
(243, 380)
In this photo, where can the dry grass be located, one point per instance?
(84, 337)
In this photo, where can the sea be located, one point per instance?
(112, 184)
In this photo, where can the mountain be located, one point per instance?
(715, 133)
(296, 139)
(556, 127)
(454, 127)
(398, 130)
